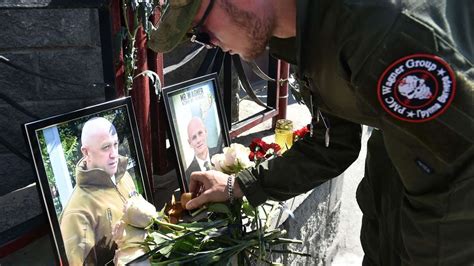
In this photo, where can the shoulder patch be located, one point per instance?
(417, 88)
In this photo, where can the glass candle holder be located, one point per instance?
(284, 134)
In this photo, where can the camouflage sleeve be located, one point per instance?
(305, 166)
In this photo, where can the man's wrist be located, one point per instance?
(248, 185)
(237, 191)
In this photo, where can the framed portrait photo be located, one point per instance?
(88, 163)
(197, 123)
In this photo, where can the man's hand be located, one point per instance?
(210, 186)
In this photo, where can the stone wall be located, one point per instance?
(315, 222)
(58, 43)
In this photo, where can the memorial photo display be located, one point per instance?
(197, 122)
(88, 163)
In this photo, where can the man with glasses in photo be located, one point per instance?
(403, 67)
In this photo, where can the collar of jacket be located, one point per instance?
(98, 177)
(302, 16)
(291, 49)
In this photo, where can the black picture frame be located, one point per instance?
(198, 97)
(57, 131)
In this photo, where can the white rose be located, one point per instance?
(234, 159)
(218, 162)
(127, 236)
(242, 156)
(138, 212)
(230, 155)
(125, 255)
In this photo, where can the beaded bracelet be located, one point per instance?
(230, 188)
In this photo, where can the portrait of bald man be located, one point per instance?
(197, 140)
(103, 185)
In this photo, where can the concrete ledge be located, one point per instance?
(25, 201)
(315, 223)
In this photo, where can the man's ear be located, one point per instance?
(84, 151)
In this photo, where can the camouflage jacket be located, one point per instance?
(406, 68)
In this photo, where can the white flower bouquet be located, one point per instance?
(229, 231)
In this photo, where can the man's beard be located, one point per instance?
(259, 30)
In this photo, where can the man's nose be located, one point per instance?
(114, 153)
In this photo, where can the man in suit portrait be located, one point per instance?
(197, 139)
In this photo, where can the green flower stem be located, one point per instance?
(258, 257)
(267, 233)
(125, 16)
(260, 234)
(198, 211)
(287, 241)
(130, 57)
(170, 225)
(268, 222)
(214, 255)
(289, 251)
(215, 242)
(210, 254)
(153, 251)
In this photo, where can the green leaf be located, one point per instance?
(290, 251)
(221, 208)
(160, 239)
(248, 209)
(186, 245)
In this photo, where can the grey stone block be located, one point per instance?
(15, 84)
(31, 28)
(11, 121)
(15, 173)
(336, 192)
(313, 226)
(29, 3)
(332, 224)
(19, 206)
(83, 66)
(47, 109)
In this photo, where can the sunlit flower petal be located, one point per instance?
(139, 212)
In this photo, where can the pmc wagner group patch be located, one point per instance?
(417, 88)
